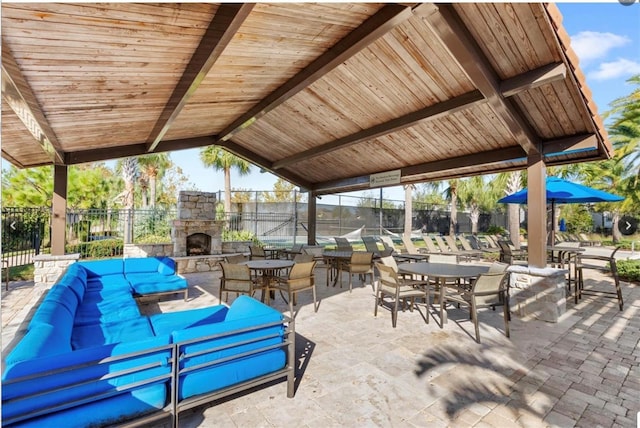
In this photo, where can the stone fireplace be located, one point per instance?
(196, 231)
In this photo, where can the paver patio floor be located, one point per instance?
(355, 370)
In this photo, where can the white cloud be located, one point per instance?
(618, 68)
(591, 45)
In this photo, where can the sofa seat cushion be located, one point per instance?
(161, 265)
(156, 283)
(100, 268)
(85, 336)
(171, 321)
(95, 311)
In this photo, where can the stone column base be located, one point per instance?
(48, 268)
(538, 293)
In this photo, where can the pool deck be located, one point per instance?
(354, 369)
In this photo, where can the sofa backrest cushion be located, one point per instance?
(58, 309)
(246, 307)
(42, 340)
(97, 268)
(136, 265)
(76, 279)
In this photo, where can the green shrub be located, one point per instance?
(97, 249)
(19, 273)
(239, 235)
(153, 239)
(629, 270)
(495, 230)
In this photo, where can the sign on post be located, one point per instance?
(384, 178)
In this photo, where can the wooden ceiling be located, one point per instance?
(323, 95)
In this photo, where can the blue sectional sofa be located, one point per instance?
(89, 358)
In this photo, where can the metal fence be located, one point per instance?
(102, 233)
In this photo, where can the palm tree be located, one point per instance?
(509, 183)
(129, 169)
(474, 193)
(220, 159)
(152, 167)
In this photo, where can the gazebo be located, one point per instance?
(330, 96)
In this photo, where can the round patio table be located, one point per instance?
(443, 271)
(335, 260)
(270, 269)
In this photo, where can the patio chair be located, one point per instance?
(604, 264)
(410, 247)
(391, 286)
(406, 278)
(444, 248)
(300, 278)
(236, 279)
(488, 290)
(371, 245)
(257, 252)
(235, 259)
(303, 258)
(293, 251)
(343, 244)
(361, 263)
(511, 255)
(472, 253)
(387, 242)
(453, 246)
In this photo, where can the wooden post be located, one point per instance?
(537, 205)
(59, 210)
(312, 218)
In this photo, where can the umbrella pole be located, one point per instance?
(553, 222)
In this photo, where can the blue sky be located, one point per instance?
(605, 36)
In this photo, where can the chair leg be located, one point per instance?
(614, 272)
(394, 314)
(315, 305)
(474, 317)
(505, 308)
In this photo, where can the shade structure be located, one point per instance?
(561, 191)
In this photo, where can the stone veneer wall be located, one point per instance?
(148, 250)
(48, 268)
(196, 214)
(193, 264)
(538, 293)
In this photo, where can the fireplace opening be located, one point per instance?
(198, 244)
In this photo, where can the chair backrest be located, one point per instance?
(257, 252)
(235, 259)
(488, 286)
(497, 267)
(303, 258)
(431, 248)
(570, 244)
(443, 258)
(441, 244)
(343, 244)
(409, 245)
(451, 242)
(362, 258)
(296, 248)
(388, 276)
(316, 252)
(490, 241)
(236, 277)
(301, 275)
(370, 244)
(389, 261)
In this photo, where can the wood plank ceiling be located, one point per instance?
(323, 95)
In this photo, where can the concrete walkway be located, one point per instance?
(356, 370)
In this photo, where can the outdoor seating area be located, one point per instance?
(576, 372)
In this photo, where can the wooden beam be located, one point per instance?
(484, 158)
(573, 143)
(20, 97)
(428, 113)
(224, 25)
(7, 156)
(59, 210)
(376, 26)
(105, 153)
(454, 35)
(532, 79)
(263, 163)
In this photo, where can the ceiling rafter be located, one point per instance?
(376, 26)
(428, 113)
(224, 25)
(263, 163)
(576, 142)
(20, 97)
(532, 79)
(455, 36)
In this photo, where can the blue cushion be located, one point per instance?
(53, 313)
(141, 265)
(167, 266)
(167, 323)
(150, 284)
(65, 296)
(106, 311)
(86, 336)
(88, 379)
(97, 268)
(76, 278)
(109, 282)
(42, 340)
(245, 306)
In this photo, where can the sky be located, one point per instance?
(605, 36)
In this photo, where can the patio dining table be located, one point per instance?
(335, 261)
(442, 272)
(269, 269)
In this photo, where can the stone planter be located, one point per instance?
(230, 247)
(537, 292)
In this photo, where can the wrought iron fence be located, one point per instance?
(25, 233)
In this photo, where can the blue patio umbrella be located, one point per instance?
(561, 191)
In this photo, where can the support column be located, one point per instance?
(312, 218)
(59, 210)
(537, 206)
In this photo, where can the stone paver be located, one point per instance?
(356, 370)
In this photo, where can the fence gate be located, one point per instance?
(25, 233)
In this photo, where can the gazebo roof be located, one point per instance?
(323, 95)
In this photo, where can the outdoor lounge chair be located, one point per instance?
(431, 248)
(488, 290)
(511, 255)
(390, 285)
(371, 245)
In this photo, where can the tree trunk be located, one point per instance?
(408, 210)
(616, 236)
(474, 216)
(153, 180)
(227, 190)
(453, 223)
